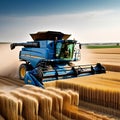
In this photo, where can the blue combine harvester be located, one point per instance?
(49, 56)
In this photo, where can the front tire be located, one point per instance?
(22, 71)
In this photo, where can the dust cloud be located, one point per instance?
(86, 57)
(9, 61)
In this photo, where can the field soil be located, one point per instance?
(109, 56)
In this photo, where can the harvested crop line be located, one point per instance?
(33, 103)
(112, 67)
(101, 109)
(11, 81)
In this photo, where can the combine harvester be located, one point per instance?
(50, 56)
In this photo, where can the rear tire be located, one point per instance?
(22, 70)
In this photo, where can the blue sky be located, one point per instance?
(87, 20)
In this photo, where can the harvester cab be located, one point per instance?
(49, 56)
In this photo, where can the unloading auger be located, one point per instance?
(49, 57)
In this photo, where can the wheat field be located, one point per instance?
(102, 90)
(34, 103)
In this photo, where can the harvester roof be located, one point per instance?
(49, 35)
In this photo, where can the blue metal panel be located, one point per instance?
(32, 56)
(43, 44)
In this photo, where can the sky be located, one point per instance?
(88, 21)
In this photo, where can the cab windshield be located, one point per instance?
(64, 50)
